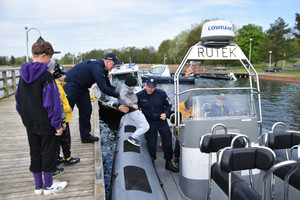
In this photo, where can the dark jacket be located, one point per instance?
(219, 111)
(85, 74)
(155, 104)
(37, 99)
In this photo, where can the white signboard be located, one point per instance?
(230, 52)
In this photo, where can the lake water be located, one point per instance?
(280, 102)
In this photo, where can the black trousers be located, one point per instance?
(43, 152)
(65, 142)
(81, 98)
(162, 127)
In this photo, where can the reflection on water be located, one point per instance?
(108, 146)
(280, 102)
(108, 130)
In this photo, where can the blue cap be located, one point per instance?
(112, 57)
(151, 81)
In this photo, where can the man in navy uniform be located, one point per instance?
(79, 79)
(156, 106)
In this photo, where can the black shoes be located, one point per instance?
(175, 162)
(71, 161)
(170, 166)
(90, 139)
(59, 161)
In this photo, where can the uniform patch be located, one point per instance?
(169, 100)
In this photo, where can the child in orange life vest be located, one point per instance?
(65, 139)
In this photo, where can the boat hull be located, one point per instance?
(170, 79)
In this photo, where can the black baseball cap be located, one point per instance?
(112, 57)
(151, 81)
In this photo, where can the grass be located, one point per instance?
(294, 73)
(288, 66)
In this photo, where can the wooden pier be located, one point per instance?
(85, 179)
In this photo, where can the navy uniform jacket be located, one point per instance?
(155, 104)
(219, 111)
(85, 74)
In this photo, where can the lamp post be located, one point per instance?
(27, 31)
(250, 51)
(270, 52)
(165, 57)
(283, 59)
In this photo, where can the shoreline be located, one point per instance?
(280, 78)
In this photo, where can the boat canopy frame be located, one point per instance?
(232, 51)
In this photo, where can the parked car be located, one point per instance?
(219, 68)
(273, 69)
(296, 65)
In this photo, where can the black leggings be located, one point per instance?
(65, 143)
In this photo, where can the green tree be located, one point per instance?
(178, 45)
(256, 35)
(66, 59)
(12, 60)
(163, 50)
(276, 41)
(3, 60)
(297, 26)
(193, 37)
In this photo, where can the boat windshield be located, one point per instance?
(217, 106)
(158, 69)
(115, 78)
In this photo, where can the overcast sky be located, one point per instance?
(82, 25)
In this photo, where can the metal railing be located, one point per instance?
(8, 81)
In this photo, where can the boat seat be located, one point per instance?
(236, 159)
(210, 143)
(213, 143)
(240, 188)
(285, 140)
(206, 108)
(281, 173)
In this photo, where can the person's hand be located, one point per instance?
(135, 106)
(163, 116)
(59, 132)
(64, 126)
(123, 108)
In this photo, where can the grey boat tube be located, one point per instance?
(134, 174)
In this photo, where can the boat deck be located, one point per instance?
(170, 180)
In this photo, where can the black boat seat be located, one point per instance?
(213, 143)
(240, 188)
(281, 172)
(240, 159)
(285, 140)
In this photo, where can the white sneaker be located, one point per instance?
(38, 191)
(55, 187)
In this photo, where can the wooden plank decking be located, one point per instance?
(16, 181)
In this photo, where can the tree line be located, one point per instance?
(279, 40)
